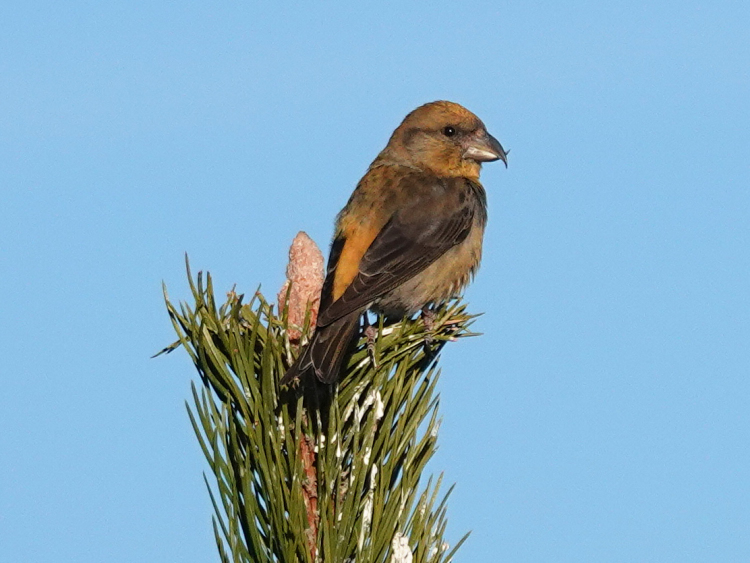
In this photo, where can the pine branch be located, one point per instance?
(316, 473)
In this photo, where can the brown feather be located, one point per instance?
(410, 234)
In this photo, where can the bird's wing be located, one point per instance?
(410, 241)
(326, 293)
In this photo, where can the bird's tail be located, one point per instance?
(326, 352)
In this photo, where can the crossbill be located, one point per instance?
(411, 233)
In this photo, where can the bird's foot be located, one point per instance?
(428, 319)
(370, 333)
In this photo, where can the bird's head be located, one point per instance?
(446, 139)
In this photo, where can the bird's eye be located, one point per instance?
(449, 131)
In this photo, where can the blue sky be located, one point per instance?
(602, 416)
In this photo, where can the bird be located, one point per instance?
(410, 235)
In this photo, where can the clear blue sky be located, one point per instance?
(603, 416)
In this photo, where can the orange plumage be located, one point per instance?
(411, 233)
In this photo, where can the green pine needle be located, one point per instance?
(316, 473)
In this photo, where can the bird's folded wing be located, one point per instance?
(408, 243)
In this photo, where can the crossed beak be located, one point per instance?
(485, 148)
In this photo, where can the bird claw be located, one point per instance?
(428, 319)
(370, 334)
